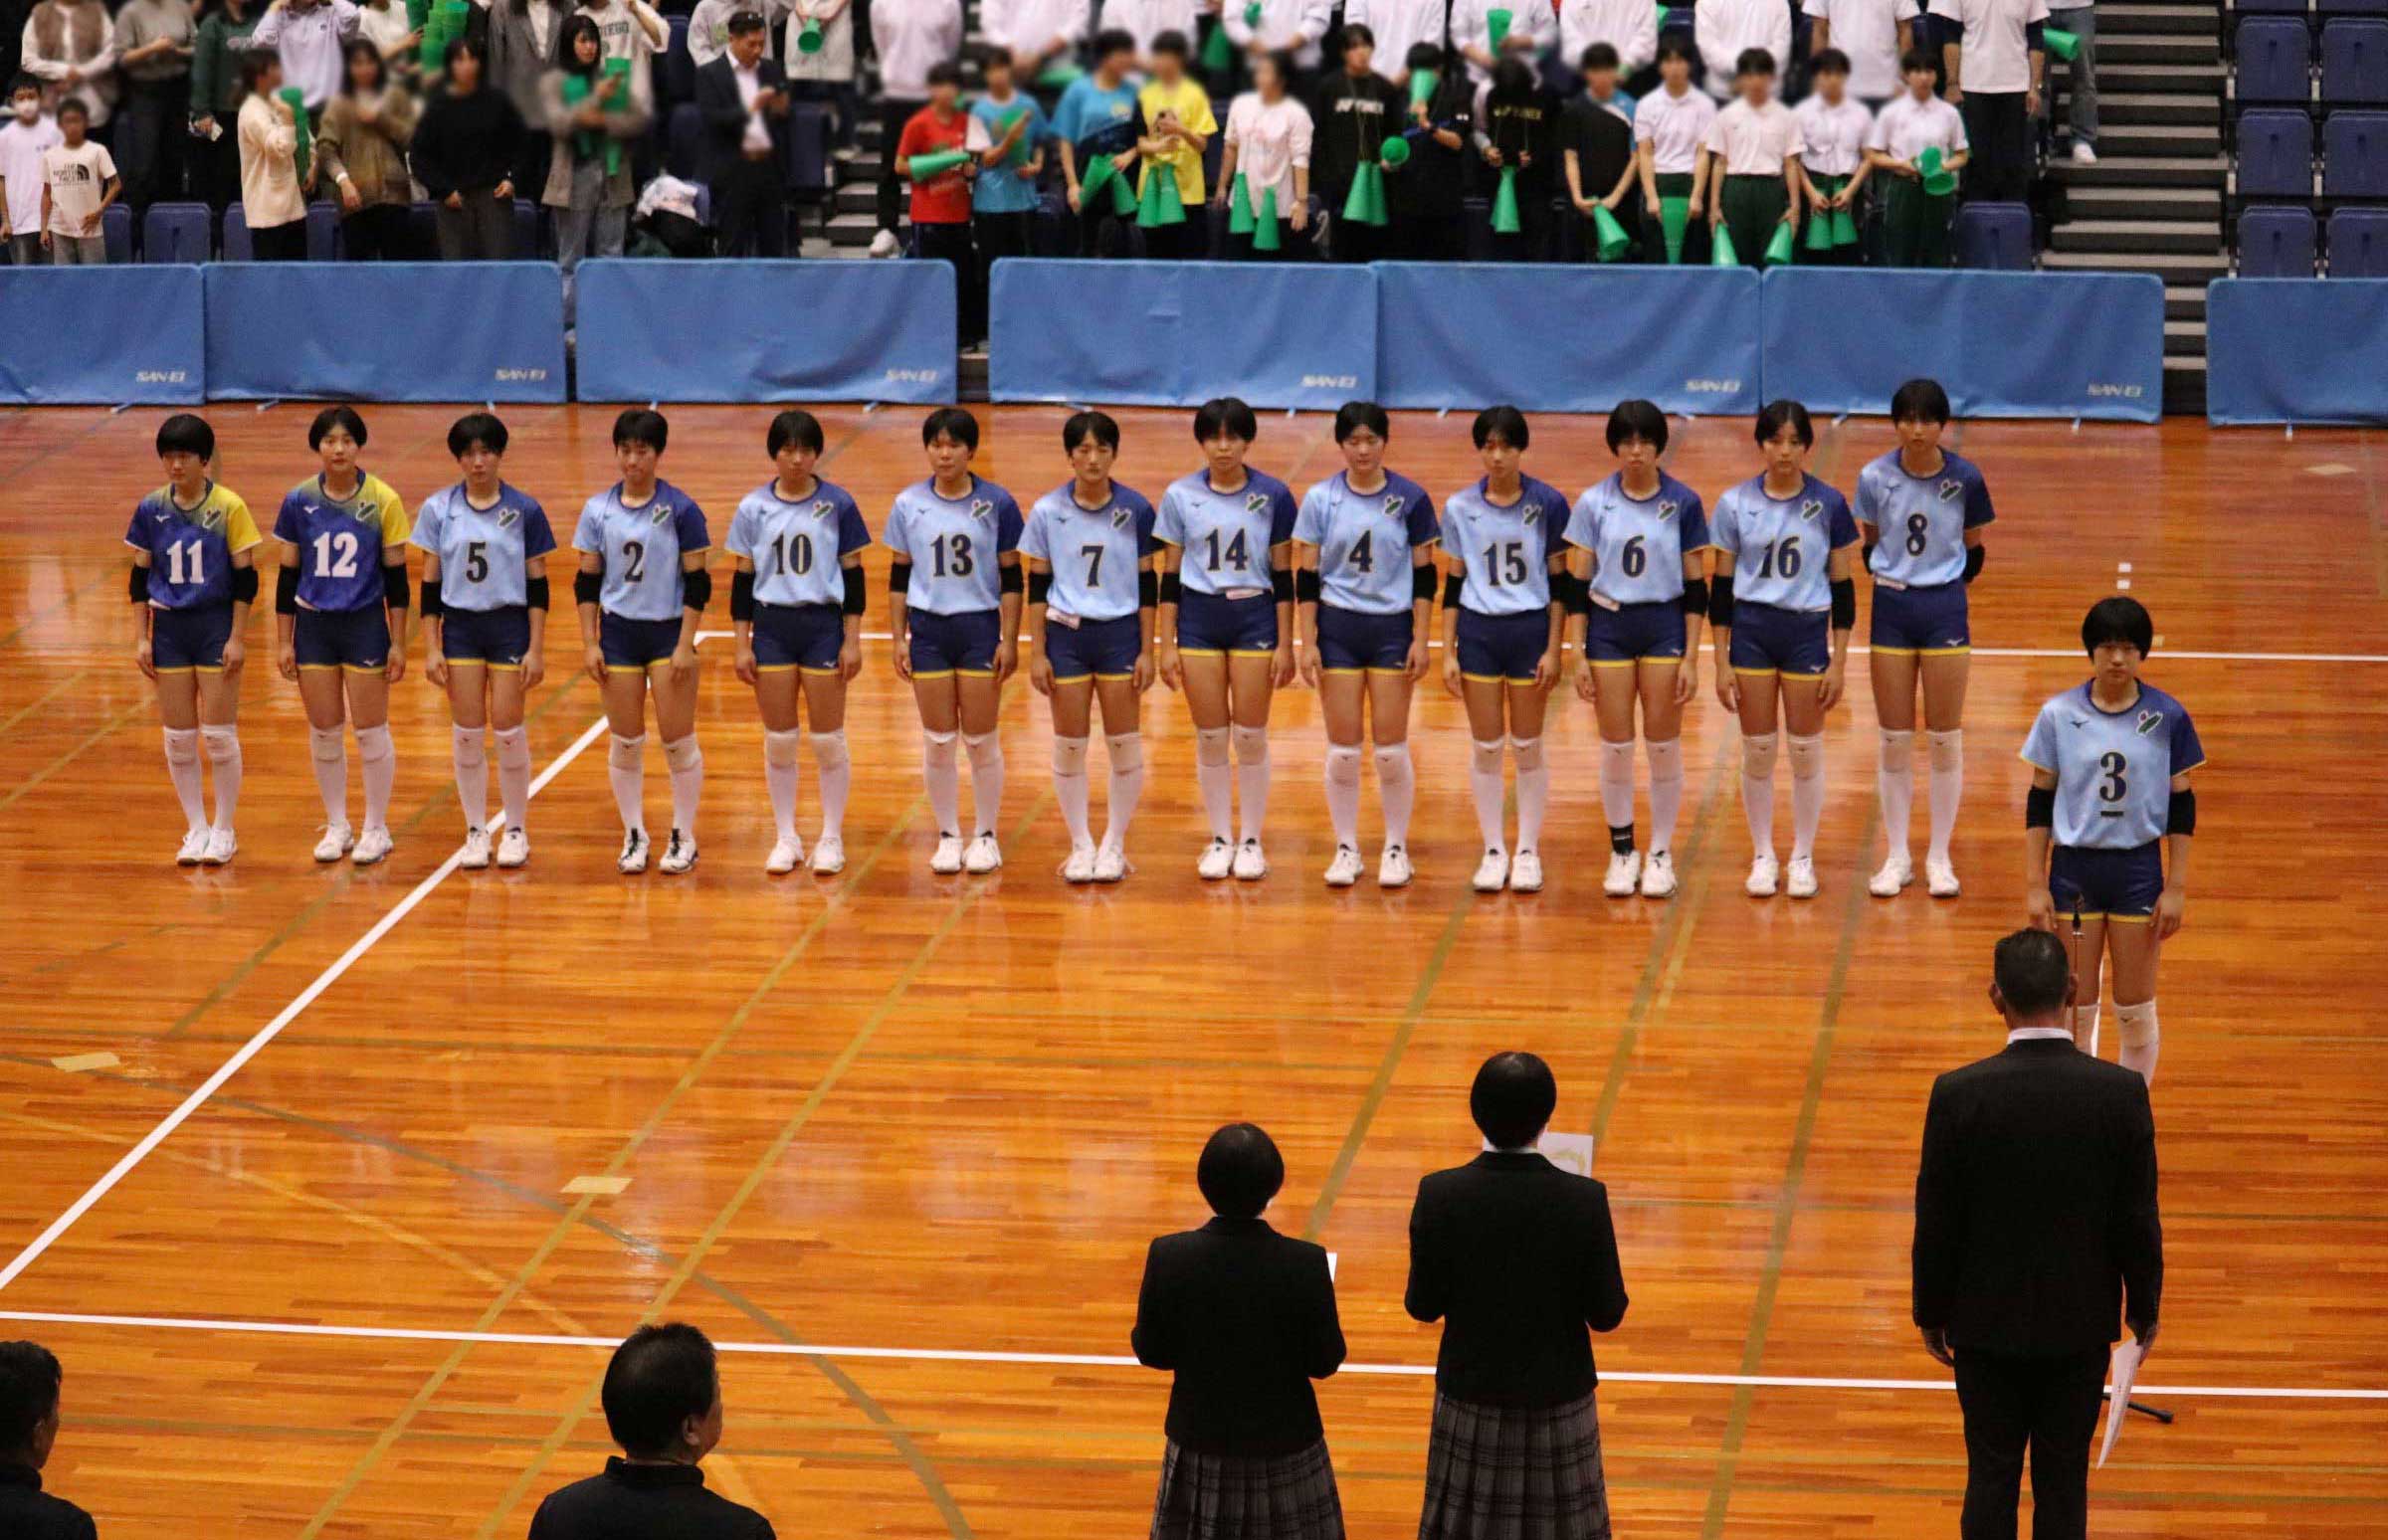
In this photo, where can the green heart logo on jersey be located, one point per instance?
(507, 517)
(2149, 721)
(1666, 510)
(821, 509)
(1256, 502)
(1810, 510)
(980, 510)
(1393, 505)
(660, 517)
(1950, 490)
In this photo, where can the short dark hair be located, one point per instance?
(1600, 56)
(1676, 46)
(1920, 400)
(2118, 618)
(459, 47)
(993, 57)
(641, 426)
(1754, 61)
(953, 423)
(29, 1380)
(342, 417)
(1227, 414)
(73, 105)
(256, 66)
(1785, 412)
(1424, 55)
(186, 433)
(659, 1377)
(1506, 423)
(1282, 60)
(23, 84)
(1174, 44)
(1356, 32)
(1513, 76)
(2031, 970)
(1638, 419)
(1113, 39)
(1828, 60)
(1101, 427)
(1512, 1098)
(1915, 59)
(1352, 416)
(1239, 1171)
(945, 72)
(796, 427)
(743, 22)
(482, 428)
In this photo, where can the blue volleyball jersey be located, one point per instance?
(1092, 552)
(191, 549)
(953, 545)
(2113, 769)
(1224, 537)
(641, 548)
(483, 553)
(1638, 547)
(1505, 552)
(340, 541)
(1921, 519)
(798, 548)
(1365, 540)
(1782, 549)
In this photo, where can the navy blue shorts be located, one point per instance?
(183, 640)
(1353, 641)
(2106, 884)
(636, 644)
(955, 643)
(497, 637)
(1919, 620)
(1623, 636)
(357, 639)
(1207, 623)
(799, 636)
(1766, 640)
(1094, 649)
(1503, 646)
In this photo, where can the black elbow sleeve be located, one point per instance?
(1010, 582)
(1866, 554)
(1453, 583)
(2180, 815)
(1573, 593)
(900, 577)
(395, 590)
(1696, 596)
(243, 585)
(535, 592)
(286, 590)
(1173, 589)
(1281, 582)
(1040, 587)
(1422, 584)
(136, 584)
(695, 589)
(432, 603)
(1148, 590)
(1721, 600)
(1976, 557)
(1844, 604)
(2035, 37)
(857, 592)
(742, 596)
(2040, 808)
(589, 587)
(1306, 586)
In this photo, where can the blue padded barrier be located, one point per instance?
(134, 337)
(385, 331)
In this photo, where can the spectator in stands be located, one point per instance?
(662, 1405)
(272, 205)
(632, 30)
(79, 182)
(1427, 196)
(1358, 110)
(1726, 29)
(1290, 27)
(29, 1380)
(1040, 34)
(1755, 147)
(310, 36)
(709, 25)
(71, 46)
(1671, 128)
(1630, 28)
(1532, 30)
(1097, 117)
(1994, 72)
(384, 24)
(524, 39)
(28, 133)
(1872, 34)
(1596, 137)
(592, 129)
(1003, 199)
(361, 153)
(1269, 151)
(1833, 128)
(1914, 222)
(910, 36)
(218, 90)
(1147, 21)
(1175, 113)
(744, 99)
(825, 72)
(1515, 1258)
(1399, 25)
(464, 153)
(1518, 127)
(154, 43)
(941, 200)
(1245, 1318)
(2078, 17)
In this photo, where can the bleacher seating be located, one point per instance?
(2359, 243)
(115, 227)
(684, 142)
(176, 231)
(2354, 61)
(676, 80)
(2275, 154)
(2275, 242)
(2274, 60)
(323, 242)
(1994, 236)
(2354, 155)
(2353, 7)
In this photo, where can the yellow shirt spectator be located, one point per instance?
(1191, 107)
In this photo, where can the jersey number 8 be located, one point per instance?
(1916, 525)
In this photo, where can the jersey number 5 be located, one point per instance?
(477, 561)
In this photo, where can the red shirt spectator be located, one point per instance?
(943, 198)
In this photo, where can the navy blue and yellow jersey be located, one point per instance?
(798, 548)
(342, 541)
(191, 549)
(2113, 769)
(484, 554)
(1921, 519)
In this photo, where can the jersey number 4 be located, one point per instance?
(335, 555)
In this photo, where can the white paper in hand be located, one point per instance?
(1568, 1152)
(1330, 1266)
(2128, 1354)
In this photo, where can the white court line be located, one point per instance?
(1067, 1360)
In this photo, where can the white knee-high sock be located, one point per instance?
(182, 768)
(377, 766)
(941, 770)
(1344, 792)
(1533, 790)
(1252, 779)
(686, 761)
(986, 779)
(1757, 789)
(626, 767)
(835, 766)
(1617, 793)
(1485, 784)
(1806, 793)
(779, 779)
(1069, 787)
(223, 744)
(1397, 789)
(1894, 781)
(330, 748)
(513, 774)
(1665, 791)
(1126, 750)
(1213, 776)
(2136, 1024)
(1947, 786)
(472, 755)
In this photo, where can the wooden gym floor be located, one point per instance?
(937, 1118)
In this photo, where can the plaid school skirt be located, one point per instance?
(1247, 1496)
(1504, 1474)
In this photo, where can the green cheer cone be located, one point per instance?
(1504, 203)
(1720, 251)
(938, 162)
(1218, 54)
(1264, 234)
(1365, 203)
(297, 100)
(1611, 236)
(1058, 75)
(808, 36)
(1845, 228)
(1496, 26)
(2064, 45)
(1778, 247)
(1820, 230)
(1100, 170)
(1160, 205)
(418, 12)
(1675, 217)
(1239, 208)
(616, 70)
(1124, 197)
(575, 90)
(1394, 153)
(1423, 86)
(1252, 14)
(1937, 182)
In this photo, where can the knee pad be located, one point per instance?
(1528, 753)
(1807, 757)
(513, 747)
(1389, 755)
(1484, 756)
(1343, 764)
(1252, 744)
(2136, 1024)
(779, 749)
(1126, 750)
(182, 745)
(1069, 756)
(1949, 748)
(986, 748)
(1899, 750)
(1666, 759)
(1757, 755)
(1617, 759)
(683, 753)
(223, 743)
(327, 744)
(1210, 745)
(373, 745)
(470, 746)
(627, 753)
(938, 748)
(829, 749)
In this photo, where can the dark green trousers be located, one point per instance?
(1915, 225)
(1752, 206)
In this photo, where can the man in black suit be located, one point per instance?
(2034, 1229)
(663, 1405)
(1515, 1258)
(29, 1387)
(744, 97)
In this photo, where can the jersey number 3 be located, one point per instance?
(2117, 784)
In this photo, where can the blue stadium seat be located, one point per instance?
(2275, 242)
(526, 231)
(679, 70)
(1053, 230)
(2359, 243)
(2353, 7)
(2275, 154)
(177, 232)
(2354, 155)
(323, 243)
(2275, 60)
(808, 147)
(235, 234)
(2269, 7)
(683, 144)
(115, 228)
(1995, 235)
(2354, 61)
(422, 224)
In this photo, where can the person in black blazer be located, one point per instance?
(1515, 1258)
(2036, 1228)
(30, 1378)
(1246, 1318)
(743, 98)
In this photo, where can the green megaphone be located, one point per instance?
(1423, 86)
(1720, 251)
(297, 100)
(2064, 45)
(1239, 208)
(1264, 234)
(1937, 182)
(1365, 203)
(1820, 230)
(808, 36)
(1845, 228)
(1161, 203)
(1218, 54)
(1778, 247)
(1496, 26)
(937, 163)
(1675, 217)
(1611, 236)
(1504, 203)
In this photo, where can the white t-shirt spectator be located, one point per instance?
(1145, 20)
(1270, 141)
(1472, 26)
(1627, 26)
(1675, 127)
(1832, 139)
(1906, 127)
(309, 43)
(1029, 25)
(911, 38)
(1992, 57)
(1292, 25)
(1398, 26)
(1724, 28)
(709, 25)
(384, 26)
(1868, 32)
(21, 148)
(77, 179)
(632, 30)
(1754, 141)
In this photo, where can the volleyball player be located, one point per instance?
(1783, 603)
(192, 583)
(957, 635)
(1090, 549)
(1225, 625)
(340, 604)
(2110, 763)
(1503, 626)
(1364, 543)
(1639, 581)
(796, 601)
(1922, 512)
(641, 590)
